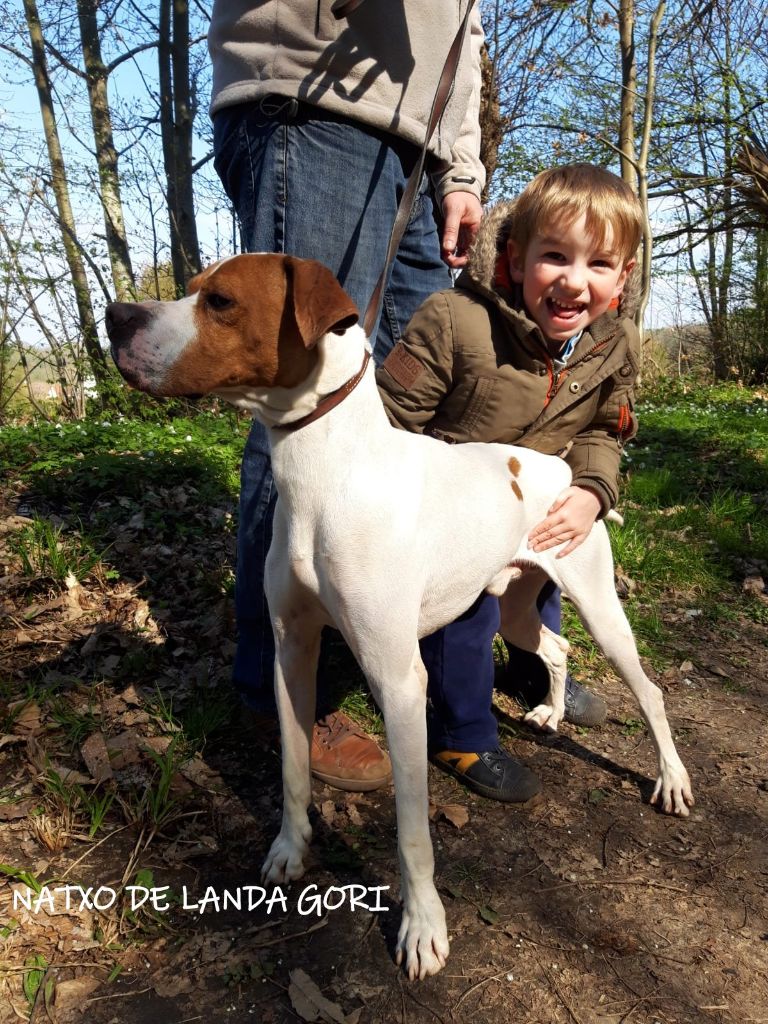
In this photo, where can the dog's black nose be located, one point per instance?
(123, 319)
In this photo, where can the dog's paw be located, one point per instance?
(285, 861)
(673, 792)
(544, 717)
(423, 938)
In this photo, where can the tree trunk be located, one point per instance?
(628, 92)
(106, 154)
(176, 117)
(642, 164)
(722, 362)
(184, 116)
(491, 119)
(66, 218)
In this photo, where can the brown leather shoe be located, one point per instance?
(345, 757)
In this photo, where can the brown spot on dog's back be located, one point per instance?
(514, 468)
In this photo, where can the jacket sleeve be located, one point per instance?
(417, 373)
(595, 454)
(465, 172)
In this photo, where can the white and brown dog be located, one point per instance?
(385, 534)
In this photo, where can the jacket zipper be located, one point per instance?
(556, 378)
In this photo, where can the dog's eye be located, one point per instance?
(218, 302)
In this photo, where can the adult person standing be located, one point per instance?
(318, 121)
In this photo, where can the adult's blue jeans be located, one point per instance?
(314, 185)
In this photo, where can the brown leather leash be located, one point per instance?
(331, 400)
(342, 8)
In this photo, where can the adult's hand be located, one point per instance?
(462, 212)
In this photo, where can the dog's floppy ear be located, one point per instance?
(194, 284)
(320, 304)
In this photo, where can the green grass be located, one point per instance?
(695, 485)
(693, 497)
(125, 458)
(166, 482)
(47, 554)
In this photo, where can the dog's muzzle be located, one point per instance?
(123, 319)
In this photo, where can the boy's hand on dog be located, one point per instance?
(570, 518)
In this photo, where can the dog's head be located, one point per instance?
(250, 320)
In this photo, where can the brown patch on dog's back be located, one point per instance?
(514, 468)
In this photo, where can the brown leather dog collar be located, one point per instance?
(330, 401)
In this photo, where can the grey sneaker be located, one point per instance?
(527, 682)
(582, 707)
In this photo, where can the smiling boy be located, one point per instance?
(535, 347)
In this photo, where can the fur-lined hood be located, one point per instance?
(491, 242)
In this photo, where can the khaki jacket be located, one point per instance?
(380, 67)
(472, 366)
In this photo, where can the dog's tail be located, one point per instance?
(613, 517)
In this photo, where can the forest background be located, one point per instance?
(125, 757)
(107, 189)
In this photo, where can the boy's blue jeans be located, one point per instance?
(459, 661)
(314, 185)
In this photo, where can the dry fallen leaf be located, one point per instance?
(28, 718)
(123, 749)
(200, 774)
(171, 982)
(96, 756)
(328, 811)
(40, 760)
(131, 696)
(159, 744)
(72, 994)
(12, 812)
(457, 814)
(310, 1003)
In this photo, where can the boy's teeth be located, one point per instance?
(560, 307)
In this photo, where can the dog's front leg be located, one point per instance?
(423, 937)
(297, 648)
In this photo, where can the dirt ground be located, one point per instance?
(589, 908)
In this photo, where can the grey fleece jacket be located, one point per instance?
(380, 66)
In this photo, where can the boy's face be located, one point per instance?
(568, 280)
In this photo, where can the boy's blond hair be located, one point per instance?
(562, 194)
